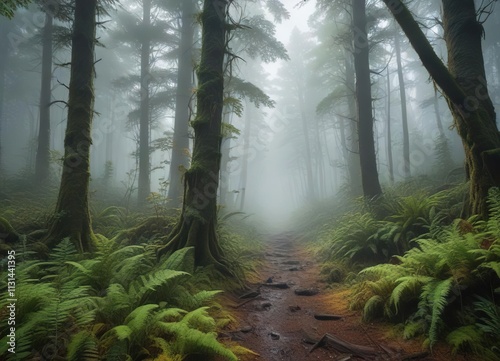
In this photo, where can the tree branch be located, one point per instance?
(426, 53)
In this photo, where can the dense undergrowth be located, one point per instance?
(122, 302)
(416, 263)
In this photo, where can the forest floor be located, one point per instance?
(280, 325)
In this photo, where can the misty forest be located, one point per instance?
(249, 180)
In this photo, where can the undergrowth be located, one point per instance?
(446, 287)
(122, 302)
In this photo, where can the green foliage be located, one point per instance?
(9, 7)
(117, 302)
(436, 283)
(362, 236)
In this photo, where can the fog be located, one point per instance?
(291, 137)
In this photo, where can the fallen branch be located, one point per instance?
(344, 346)
(247, 301)
(325, 317)
(280, 285)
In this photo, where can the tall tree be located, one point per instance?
(180, 148)
(72, 216)
(464, 85)
(42, 162)
(4, 44)
(144, 185)
(368, 160)
(197, 224)
(404, 112)
(389, 135)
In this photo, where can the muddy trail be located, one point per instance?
(291, 315)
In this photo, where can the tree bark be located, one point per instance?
(311, 187)
(404, 113)
(5, 26)
(464, 85)
(144, 185)
(198, 220)
(42, 161)
(389, 135)
(439, 122)
(353, 162)
(180, 148)
(368, 161)
(72, 216)
(246, 152)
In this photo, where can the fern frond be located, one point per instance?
(435, 294)
(83, 347)
(465, 337)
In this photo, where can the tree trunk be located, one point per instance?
(404, 113)
(465, 87)
(354, 162)
(180, 148)
(311, 188)
(5, 26)
(246, 152)
(42, 162)
(72, 217)
(198, 221)
(438, 114)
(225, 158)
(368, 161)
(389, 136)
(144, 186)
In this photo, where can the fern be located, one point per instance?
(434, 294)
(465, 337)
(180, 260)
(193, 335)
(83, 347)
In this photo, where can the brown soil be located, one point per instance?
(276, 324)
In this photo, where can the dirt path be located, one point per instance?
(278, 323)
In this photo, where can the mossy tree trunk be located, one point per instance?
(198, 221)
(368, 160)
(180, 148)
(72, 217)
(144, 184)
(42, 162)
(464, 85)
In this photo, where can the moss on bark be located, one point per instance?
(72, 216)
(198, 221)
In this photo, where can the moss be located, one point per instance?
(7, 232)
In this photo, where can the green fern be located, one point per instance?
(465, 337)
(193, 335)
(83, 347)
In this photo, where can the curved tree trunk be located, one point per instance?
(198, 221)
(144, 185)
(465, 87)
(72, 216)
(368, 160)
(180, 148)
(42, 162)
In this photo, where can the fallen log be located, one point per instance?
(325, 317)
(306, 291)
(247, 301)
(344, 346)
(281, 285)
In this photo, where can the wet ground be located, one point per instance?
(279, 324)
